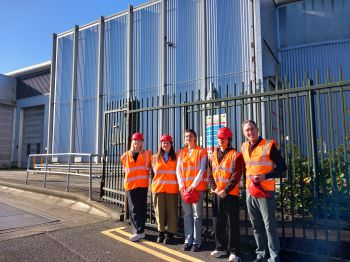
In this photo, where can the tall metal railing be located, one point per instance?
(68, 164)
(309, 123)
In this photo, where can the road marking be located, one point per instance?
(152, 244)
(137, 245)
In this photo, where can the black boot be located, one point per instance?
(169, 238)
(160, 238)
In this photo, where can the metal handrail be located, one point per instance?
(50, 169)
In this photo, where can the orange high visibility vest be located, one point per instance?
(164, 179)
(136, 174)
(222, 172)
(191, 164)
(259, 163)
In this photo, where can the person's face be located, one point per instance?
(137, 144)
(223, 143)
(190, 139)
(251, 132)
(166, 145)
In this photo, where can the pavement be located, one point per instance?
(13, 182)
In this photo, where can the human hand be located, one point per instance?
(213, 191)
(189, 189)
(258, 178)
(222, 193)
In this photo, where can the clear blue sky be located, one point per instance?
(26, 27)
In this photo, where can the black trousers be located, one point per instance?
(226, 223)
(137, 201)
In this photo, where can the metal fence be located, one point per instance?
(309, 123)
(67, 164)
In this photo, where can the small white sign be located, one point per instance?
(77, 159)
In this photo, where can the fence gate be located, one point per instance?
(115, 142)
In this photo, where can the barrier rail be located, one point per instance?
(69, 164)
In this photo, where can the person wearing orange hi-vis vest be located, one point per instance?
(263, 163)
(191, 176)
(224, 174)
(136, 163)
(165, 189)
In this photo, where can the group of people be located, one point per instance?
(191, 171)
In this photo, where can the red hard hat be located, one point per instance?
(137, 136)
(190, 197)
(257, 191)
(224, 132)
(166, 137)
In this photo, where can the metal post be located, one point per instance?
(129, 67)
(52, 93)
(46, 165)
(99, 106)
(68, 175)
(129, 85)
(163, 125)
(90, 177)
(28, 166)
(74, 85)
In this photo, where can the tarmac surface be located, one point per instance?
(50, 224)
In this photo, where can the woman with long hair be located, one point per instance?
(191, 176)
(136, 163)
(165, 189)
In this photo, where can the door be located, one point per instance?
(33, 132)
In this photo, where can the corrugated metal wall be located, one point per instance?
(296, 61)
(6, 129)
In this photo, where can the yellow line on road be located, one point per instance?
(155, 245)
(137, 245)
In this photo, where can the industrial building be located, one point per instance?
(166, 47)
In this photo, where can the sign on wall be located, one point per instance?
(213, 123)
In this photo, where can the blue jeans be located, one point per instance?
(193, 220)
(262, 215)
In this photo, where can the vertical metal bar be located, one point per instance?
(292, 170)
(68, 175)
(90, 177)
(163, 123)
(332, 160)
(300, 158)
(314, 170)
(237, 125)
(28, 167)
(45, 179)
(46, 165)
(203, 15)
(104, 156)
(74, 87)
(52, 93)
(323, 199)
(345, 137)
(129, 58)
(99, 100)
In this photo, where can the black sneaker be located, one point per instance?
(186, 247)
(169, 239)
(196, 248)
(160, 237)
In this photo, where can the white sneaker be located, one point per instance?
(137, 237)
(234, 258)
(218, 253)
